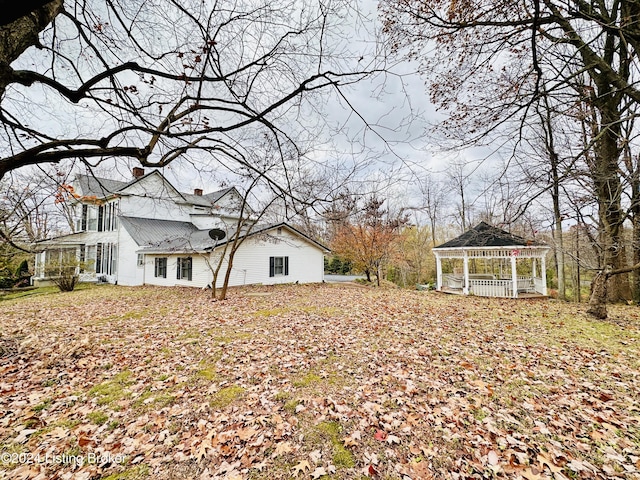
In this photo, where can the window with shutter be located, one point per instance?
(278, 266)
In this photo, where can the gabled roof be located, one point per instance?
(98, 187)
(143, 178)
(104, 187)
(166, 236)
(208, 199)
(485, 235)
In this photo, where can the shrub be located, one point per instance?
(64, 274)
(23, 269)
(66, 281)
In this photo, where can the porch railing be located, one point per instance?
(483, 286)
(491, 288)
(538, 285)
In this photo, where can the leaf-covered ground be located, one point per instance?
(318, 381)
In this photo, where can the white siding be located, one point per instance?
(128, 271)
(152, 197)
(149, 207)
(251, 263)
(201, 276)
(207, 222)
(155, 186)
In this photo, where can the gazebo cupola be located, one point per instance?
(489, 262)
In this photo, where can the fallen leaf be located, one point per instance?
(380, 435)
(318, 472)
(301, 467)
(282, 448)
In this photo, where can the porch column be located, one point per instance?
(514, 275)
(438, 273)
(533, 267)
(465, 258)
(543, 266)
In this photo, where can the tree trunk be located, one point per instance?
(635, 222)
(600, 286)
(559, 256)
(21, 34)
(598, 300)
(227, 275)
(605, 175)
(636, 253)
(555, 196)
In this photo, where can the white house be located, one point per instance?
(147, 232)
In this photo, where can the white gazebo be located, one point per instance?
(490, 262)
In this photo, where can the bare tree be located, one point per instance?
(29, 211)
(154, 82)
(235, 235)
(578, 51)
(459, 180)
(432, 192)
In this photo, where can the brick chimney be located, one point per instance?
(138, 172)
(197, 191)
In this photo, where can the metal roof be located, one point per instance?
(148, 232)
(485, 235)
(167, 236)
(103, 187)
(98, 187)
(207, 199)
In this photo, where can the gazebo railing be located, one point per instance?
(538, 285)
(490, 288)
(484, 286)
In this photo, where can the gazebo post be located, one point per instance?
(543, 266)
(514, 276)
(438, 273)
(465, 290)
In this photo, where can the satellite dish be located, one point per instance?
(217, 234)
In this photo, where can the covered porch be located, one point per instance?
(489, 262)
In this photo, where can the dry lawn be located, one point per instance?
(319, 381)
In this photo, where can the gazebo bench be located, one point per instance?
(481, 276)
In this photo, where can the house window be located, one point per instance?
(141, 259)
(101, 218)
(83, 258)
(91, 255)
(108, 217)
(278, 266)
(99, 258)
(92, 218)
(106, 258)
(161, 267)
(83, 218)
(185, 266)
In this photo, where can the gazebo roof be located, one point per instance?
(485, 235)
